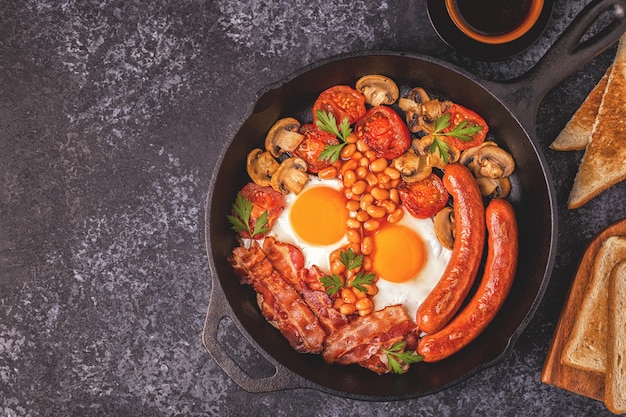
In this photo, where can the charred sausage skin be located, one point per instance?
(469, 213)
(502, 254)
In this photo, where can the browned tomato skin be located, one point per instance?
(384, 131)
(502, 256)
(342, 101)
(459, 114)
(263, 199)
(313, 144)
(469, 213)
(424, 198)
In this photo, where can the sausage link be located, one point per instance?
(496, 283)
(469, 213)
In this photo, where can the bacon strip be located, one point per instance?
(364, 340)
(280, 303)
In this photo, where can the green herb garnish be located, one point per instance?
(463, 131)
(333, 283)
(326, 122)
(240, 220)
(396, 357)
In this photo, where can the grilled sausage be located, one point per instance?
(469, 213)
(493, 289)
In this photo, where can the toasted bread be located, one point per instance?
(586, 347)
(615, 380)
(577, 131)
(604, 161)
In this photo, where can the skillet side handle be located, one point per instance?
(218, 309)
(568, 53)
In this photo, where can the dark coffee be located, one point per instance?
(494, 17)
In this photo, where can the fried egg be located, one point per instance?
(315, 221)
(409, 261)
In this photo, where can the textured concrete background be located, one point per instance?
(112, 116)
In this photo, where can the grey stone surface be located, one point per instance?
(112, 117)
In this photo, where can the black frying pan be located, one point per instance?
(510, 109)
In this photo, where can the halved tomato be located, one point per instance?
(342, 101)
(384, 131)
(424, 198)
(314, 142)
(263, 199)
(458, 114)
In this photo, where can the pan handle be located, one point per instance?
(219, 309)
(566, 55)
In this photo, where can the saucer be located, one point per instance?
(452, 35)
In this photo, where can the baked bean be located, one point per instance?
(364, 304)
(336, 267)
(364, 162)
(362, 146)
(366, 201)
(353, 205)
(376, 212)
(389, 206)
(367, 263)
(372, 289)
(367, 245)
(355, 246)
(359, 187)
(394, 195)
(348, 296)
(371, 179)
(352, 138)
(353, 235)
(395, 216)
(393, 173)
(347, 309)
(350, 164)
(347, 151)
(362, 216)
(353, 223)
(380, 194)
(371, 225)
(364, 313)
(328, 173)
(378, 165)
(361, 172)
(349, 178)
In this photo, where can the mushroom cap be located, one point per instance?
(412, 167)
(283, 136)
(435, 159)
(488, 160)
(291, 176)
(378, 89)
(445, 227)
(261, 165)
(494, 187)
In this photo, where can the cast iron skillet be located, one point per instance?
(510, 109)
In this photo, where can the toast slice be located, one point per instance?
(615, 380)
(604, 161)
(586, 347)
(577, 131)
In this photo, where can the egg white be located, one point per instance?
(283, 231)
(412, 293)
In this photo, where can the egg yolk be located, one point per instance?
(319, 215)
(400, 253)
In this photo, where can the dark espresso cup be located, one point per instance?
(494, 21)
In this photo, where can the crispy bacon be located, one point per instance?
(287, 259)
(364, 340)
(280, 303)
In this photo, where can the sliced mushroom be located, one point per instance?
(283, 136)
(494, 187)
(378, 89)
(488, 160)
(261, 165)
(412, 106)
(433, 154)
(445, 227)
(290, 176)
(412, 167)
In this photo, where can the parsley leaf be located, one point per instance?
(463, 131)
(240, 220)
(361, 279)
(332, 284)
(396, 357)
(350, 260)
(326, 122)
